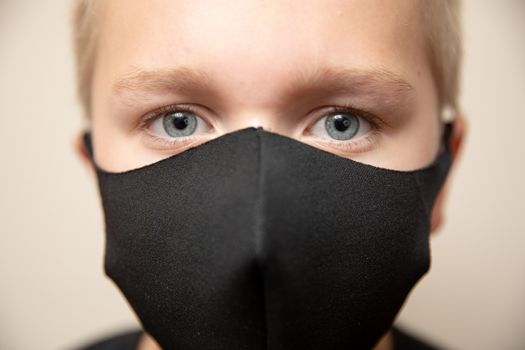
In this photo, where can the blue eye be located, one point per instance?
(178, 124)
(340, 126)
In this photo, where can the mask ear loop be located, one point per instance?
(87, 142)
(448, 126)
(448, 129)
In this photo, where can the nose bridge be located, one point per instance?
(261, 118)
(256, 100)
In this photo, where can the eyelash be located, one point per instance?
(376, 125)
(159, 112)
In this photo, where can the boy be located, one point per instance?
(307, 232)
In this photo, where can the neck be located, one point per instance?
(147, 343)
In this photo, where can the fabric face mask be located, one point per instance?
(254, 240)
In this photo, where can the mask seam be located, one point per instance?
(258, 234)
(259, 204)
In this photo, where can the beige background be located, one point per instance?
(53, 293)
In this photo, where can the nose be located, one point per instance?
(267, 120)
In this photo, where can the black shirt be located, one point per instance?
(129, 341)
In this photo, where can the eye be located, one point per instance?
(341, 126)
(178, 124)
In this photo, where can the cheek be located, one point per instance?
(414, 142)
(428, 122)
(419, 141)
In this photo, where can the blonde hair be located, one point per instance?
(442, 26)
(441, 21)
(85, 33)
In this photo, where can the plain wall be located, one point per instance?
(53, 293)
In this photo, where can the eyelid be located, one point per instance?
(376, 122)
(360, 145)
(370, 117)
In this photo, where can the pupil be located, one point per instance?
(341, 123)
(180, 122)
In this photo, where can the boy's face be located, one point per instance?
(351, 77)
(291, 67)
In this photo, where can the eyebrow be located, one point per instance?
(162, 80)
(346, 80)
(381, 83)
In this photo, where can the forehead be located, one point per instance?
(254, 42)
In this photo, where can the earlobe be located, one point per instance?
(456, 141)
(80, 150)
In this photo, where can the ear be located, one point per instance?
(80, 149)
(456, 141)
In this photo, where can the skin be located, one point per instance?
(271, 64)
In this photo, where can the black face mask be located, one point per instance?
(254, 240)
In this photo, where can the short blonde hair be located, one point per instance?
(442, 26)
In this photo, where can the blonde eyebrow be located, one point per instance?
(374, 83)
(347, 80)
(162, 80)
